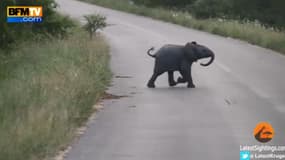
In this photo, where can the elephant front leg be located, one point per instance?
(171, 79)
(186, 77)
(189, 79)
(190, 84)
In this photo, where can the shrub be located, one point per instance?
(47, 89)
(209, 8)
(94, 23)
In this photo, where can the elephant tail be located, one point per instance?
(148, 52)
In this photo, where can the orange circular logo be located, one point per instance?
(263, 132)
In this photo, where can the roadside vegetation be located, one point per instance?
(51, 75)
(94, 23)
(260, 23)
(47, 89)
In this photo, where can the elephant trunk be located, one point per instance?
(211, 60)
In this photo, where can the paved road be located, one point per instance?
(244, 86)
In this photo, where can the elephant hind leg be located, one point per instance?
(182, 78)
(171, 79)
(154, 76)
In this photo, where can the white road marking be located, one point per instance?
(223, 67)
(280, 108)
(259, 92)
(256, 90)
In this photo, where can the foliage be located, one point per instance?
(268, 12)
(94, 23)
(47, 89)
(166, 3)
(209, 8)
(251, 31)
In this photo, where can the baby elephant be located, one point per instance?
(172, 58)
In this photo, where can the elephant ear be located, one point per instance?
(190, 51)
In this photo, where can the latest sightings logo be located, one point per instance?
(263, 132)
(24, 14)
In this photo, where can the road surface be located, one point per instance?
(245, 85)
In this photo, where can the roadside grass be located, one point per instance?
(47, 89)
(252, 32)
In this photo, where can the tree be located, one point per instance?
(94, 23)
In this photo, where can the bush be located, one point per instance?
(94, 23)
(209, 8)
(167, 3)
(47, 89)
(252, 32)
(270, 13)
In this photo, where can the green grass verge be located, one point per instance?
(47, 89)
(251, 32)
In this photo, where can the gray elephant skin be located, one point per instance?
(170, 58)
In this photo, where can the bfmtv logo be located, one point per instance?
(24, 14)
(244, 155)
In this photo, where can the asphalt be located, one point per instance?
(244, 86)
